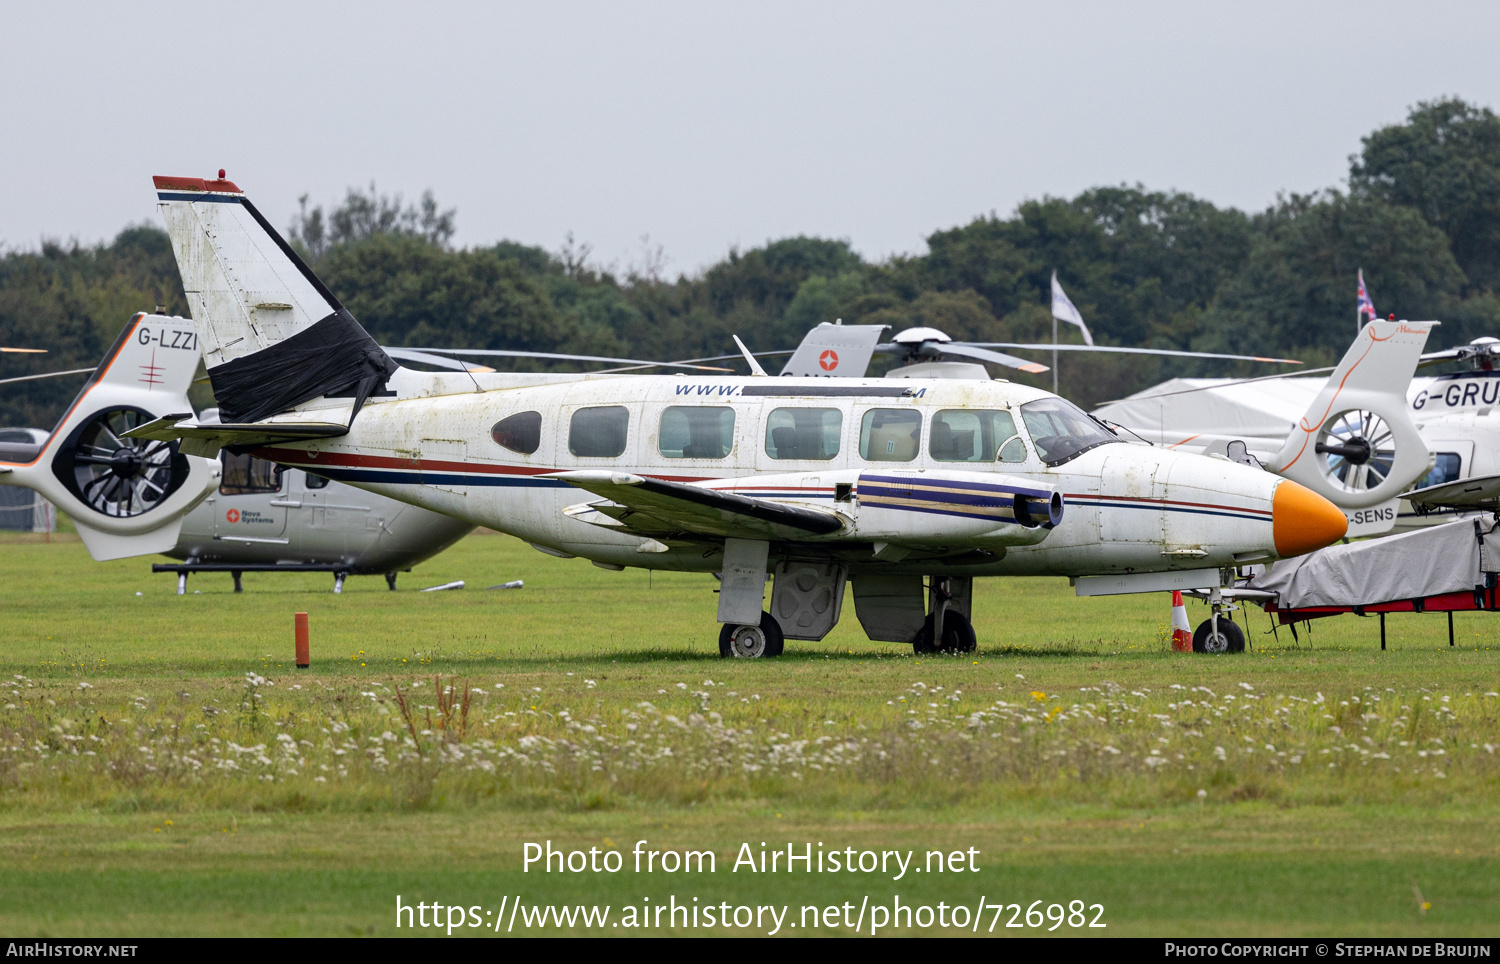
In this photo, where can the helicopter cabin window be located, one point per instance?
(975, 435)
(1061, 431)
(599, 433)
(311, 481)
(696, 432)
(521, 432)
(1447, 468)
(804, 433)
(247, 475)
(890, 434)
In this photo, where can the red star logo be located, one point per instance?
(829, 360)
(233, 515)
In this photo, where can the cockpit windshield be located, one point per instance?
(1060, 430)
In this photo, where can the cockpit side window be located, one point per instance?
(975, 435)
(248, 475)
(1061, 430)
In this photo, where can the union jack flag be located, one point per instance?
(1363, 305)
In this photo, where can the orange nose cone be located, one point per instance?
(1302, 520)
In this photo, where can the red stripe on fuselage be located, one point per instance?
(311, 461)
(1194, 505)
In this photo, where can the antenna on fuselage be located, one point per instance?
(755, 368)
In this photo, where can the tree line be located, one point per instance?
(1420, 214)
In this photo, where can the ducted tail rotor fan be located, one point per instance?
(1358, 449)
(117, 476)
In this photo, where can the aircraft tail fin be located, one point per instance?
(1356, 444)
(835, 350)
(273, 335)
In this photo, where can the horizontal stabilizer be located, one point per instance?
(654, 507)
(205, 439)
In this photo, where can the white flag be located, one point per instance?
(1064, 310)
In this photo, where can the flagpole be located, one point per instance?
(1054, 354)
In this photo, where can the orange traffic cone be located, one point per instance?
(1182, 633)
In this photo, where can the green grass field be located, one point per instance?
(164, 769)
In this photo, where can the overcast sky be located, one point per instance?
(706, 125)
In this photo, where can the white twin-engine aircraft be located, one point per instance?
(907, 487)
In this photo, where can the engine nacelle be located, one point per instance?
(935, 508)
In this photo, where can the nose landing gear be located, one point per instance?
(1218, 633)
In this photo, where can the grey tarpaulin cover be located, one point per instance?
(1441, 559)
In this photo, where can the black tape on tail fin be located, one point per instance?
(335, 355)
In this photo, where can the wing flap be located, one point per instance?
(656, 507)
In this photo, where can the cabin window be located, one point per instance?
(315, 481)
(521, 432)
(975, 435)
(890, 434)
(804, 433)
(696, 432)
(247, 475)
(599, 433)
(1447, 468)
(1061, 430)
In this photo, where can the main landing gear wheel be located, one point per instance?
(1229, 639)
(752, 642)
(958, 636)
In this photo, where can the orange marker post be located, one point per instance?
(304, 658)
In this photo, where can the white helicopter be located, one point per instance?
(130, 497)
(879, 482)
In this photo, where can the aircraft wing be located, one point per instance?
(655, 507)
(1481, 492)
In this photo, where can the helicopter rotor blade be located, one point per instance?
(1228, 382)
(1128, 351)
(966, 350)
(437, 361)
(30, 378)
(559, 356)
(24, 351)
(694, 361)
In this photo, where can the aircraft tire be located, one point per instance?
(752, 642)
(958, 636)
(1231, 638)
